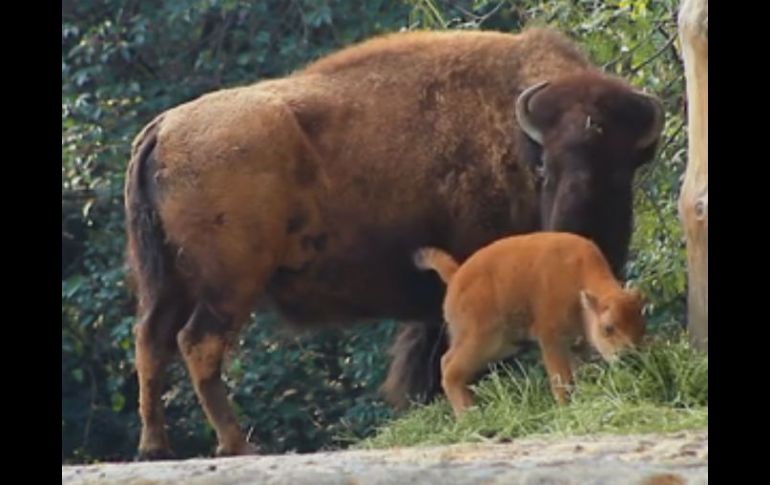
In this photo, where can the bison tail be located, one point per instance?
(147, 251)
(415, 369)
(437, 260)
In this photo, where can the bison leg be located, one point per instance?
(415, 372)
(155, 347)
(203, 342)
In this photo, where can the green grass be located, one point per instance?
(661, 389)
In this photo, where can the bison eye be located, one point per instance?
(608, 330)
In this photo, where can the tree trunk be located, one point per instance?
(693, 201)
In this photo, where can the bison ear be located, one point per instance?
(655, 116)
(642, 117)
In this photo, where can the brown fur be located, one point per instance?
(548, 286)
(311, 192)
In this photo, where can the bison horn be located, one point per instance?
(523, 115)
(659, 118)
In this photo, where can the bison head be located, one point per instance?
(586, 135)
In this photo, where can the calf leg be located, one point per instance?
(556, 357)
(455, 376)
(467, 355)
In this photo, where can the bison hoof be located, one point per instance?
(244, 449)
(154, 455)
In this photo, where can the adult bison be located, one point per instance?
(311, 192)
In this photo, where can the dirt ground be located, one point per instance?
(653, 459)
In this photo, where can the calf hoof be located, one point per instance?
(154, 455)
(243, 449)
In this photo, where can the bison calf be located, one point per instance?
(548, 286)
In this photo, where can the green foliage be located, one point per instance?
(664, 388)
(124, 62)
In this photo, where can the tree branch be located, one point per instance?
(657, 54)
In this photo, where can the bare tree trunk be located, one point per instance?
(693, 201)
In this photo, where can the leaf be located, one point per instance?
(77, 374)
(87, 207)
(118, 402)
(72, 285)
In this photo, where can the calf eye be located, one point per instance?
(608, 330)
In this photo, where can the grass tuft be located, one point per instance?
(663, 388)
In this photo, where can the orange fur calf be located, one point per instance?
(551, 287)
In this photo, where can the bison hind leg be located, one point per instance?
(203, 342)
(155, 348)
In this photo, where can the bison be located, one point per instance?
(310, 193)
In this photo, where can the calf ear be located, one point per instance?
(589, 302)
(637, 295)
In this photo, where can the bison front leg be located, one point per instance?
(202, 343)
(415, 369)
